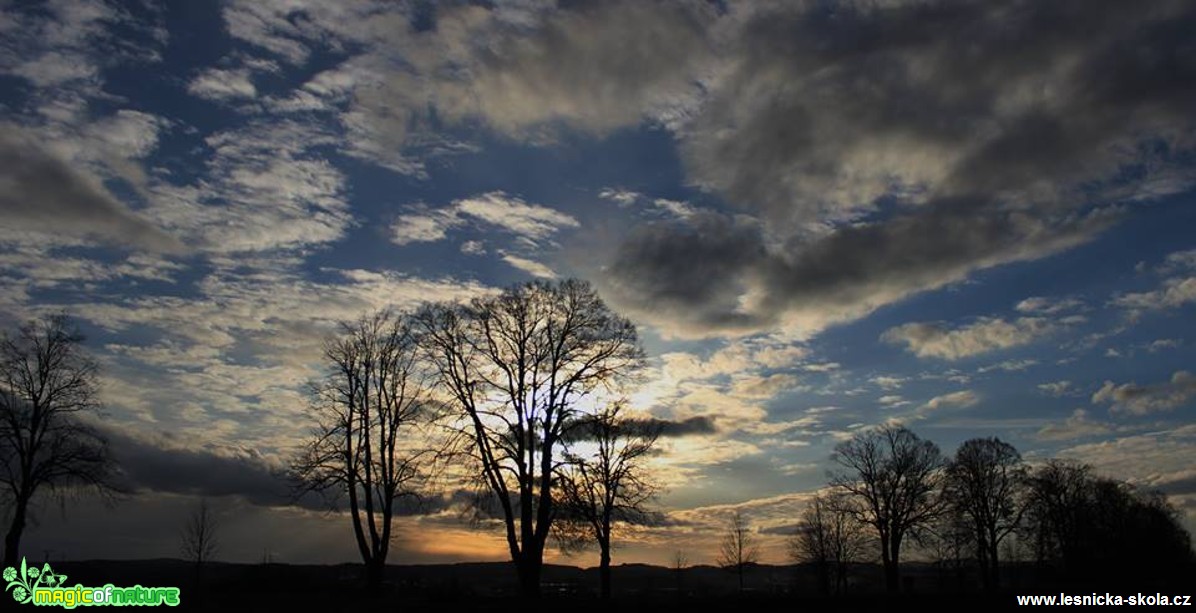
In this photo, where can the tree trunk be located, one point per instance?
(604, 570)
(529, 567)
(892, 550)
(995, 567)
(12, 542)
(374, 569)
(982, 557)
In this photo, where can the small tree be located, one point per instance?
(46, 384)
(680, 562)
(609, 483)
(830, 538)
(367, 445)
(893, 477)
(738, 548)
(198, 539)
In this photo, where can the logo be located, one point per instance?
(43, 587)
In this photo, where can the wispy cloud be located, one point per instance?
(937, 340)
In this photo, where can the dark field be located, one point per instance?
(491, 587)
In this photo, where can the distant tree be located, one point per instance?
(680, 562)
(986, 483)
(738, 548)
(47, 384)
(513, 368)
(368, 445)
(949, 542)
(1087, 527)
(830, 538)
(609, 481)
(893, 477)
(198, 539)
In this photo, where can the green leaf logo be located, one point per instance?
(22, 583)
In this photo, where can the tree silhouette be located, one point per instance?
(609, 482)
(985, 483)
(830, 538)
(738, 548)
(1090, 528)
(513, 367)
(894, 476)
(198, 540)
(367, 445)
(46, 384)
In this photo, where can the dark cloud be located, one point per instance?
(214, 470)
(165, 466)
(894, 148)
(785, 530)
(43, 194)
(718, 274)
(685, 427)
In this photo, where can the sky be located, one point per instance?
(973, 218)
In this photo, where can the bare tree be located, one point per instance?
(368, 445)
(198, 539)
(894, 476)
(47, 383)
(831, 538)
(514, 367)
(986, 482)
(608, 483)
(738, 548)
(1086, 526)
(680, 562)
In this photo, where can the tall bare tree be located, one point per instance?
(514, 366)
(831, 538)
(986, 483)
(47, 383)
(608, 482)
(198, 539)
(738, 548)
(368, 445)
(894, 476)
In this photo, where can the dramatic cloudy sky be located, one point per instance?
(972, 217)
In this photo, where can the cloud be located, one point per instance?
(986, 334)
(1009, 366)
(41, 193)
(1175, 292)
(711, 274)
(221, 84)
(1163, 343)
(531, 267)
(1048, 306)
(960, 399)
(590, 67)
(1057, 388)
(1145, 458)
(620, 196)
(423, 225)
(1145, 399)
(267, 186)
(805, 130)
(168, 465)
(530, 222)
(684, 427)
(1077, 425)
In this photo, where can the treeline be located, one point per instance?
(985, 507)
